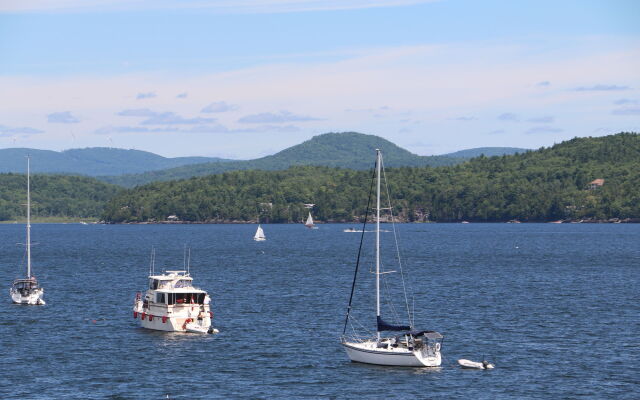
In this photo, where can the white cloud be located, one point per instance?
(219, 107)
(275, 118)
(426, 82)
(63, 117)
(147, 95)
(22, 130)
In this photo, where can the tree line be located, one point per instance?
(542, 185)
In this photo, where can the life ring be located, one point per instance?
(186, 321)
(437, 347)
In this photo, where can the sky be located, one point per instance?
(247, 78)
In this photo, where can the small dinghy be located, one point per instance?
(194, 327)
(468, 364)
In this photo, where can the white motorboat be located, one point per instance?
(259, 236)
(173, 304)
(26, 290)
(468, 364)
(408, 347)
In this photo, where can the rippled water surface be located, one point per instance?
(556, 307)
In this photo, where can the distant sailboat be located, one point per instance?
(26, 290)
(259, 236)
(309, 223)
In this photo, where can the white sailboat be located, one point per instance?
(26, 290)
(309, 223)
(259, 236)
(408, 347)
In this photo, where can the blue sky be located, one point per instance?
(246, 78)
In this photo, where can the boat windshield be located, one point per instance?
(182, 283)
(185, 298)
(25, 284)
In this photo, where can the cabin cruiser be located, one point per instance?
(173, 304)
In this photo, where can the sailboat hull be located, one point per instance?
(368, 353)
(32, 298)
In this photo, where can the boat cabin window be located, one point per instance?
(183, 283)
(185, 298)
(153, 284)
(160, 297)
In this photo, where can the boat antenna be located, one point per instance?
(364, 226)
(152, 262)
(189, 261)
(184, 257)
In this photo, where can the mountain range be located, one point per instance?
(134, 167)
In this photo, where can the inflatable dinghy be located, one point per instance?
(468, 364)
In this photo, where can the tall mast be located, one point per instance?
(28, 220)
(378, 167)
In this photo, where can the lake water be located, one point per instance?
(556, 307)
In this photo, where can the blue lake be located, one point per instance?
(556, 307)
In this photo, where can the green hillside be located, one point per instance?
(94, 161)
(486, 151)
(547, 184)
(53, 196)
(345, 150)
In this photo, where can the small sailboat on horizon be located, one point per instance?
(408, 347)
(26, 290)
(259, 236)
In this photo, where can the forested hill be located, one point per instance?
(53, 196)
(543, 185)
(346, 150)
(486, 151)
(93, 161)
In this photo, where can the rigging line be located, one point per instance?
(387, 293)
(395, 237)
(364, 226)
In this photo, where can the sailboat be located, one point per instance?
(309, 224)
(26, 290)
(259, 236)
(408, 347)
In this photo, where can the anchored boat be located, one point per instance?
(408, 347)
(173, 304)
(26, 290)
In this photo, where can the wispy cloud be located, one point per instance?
(621, 102)
(601, 88)
(275, 118)
(182, 95)
(496, 132)
(226, 7)
(148, 95)
(508, 117)
(170, 118)
(210, 128)
(137, 112)
(463, 118)
(626, 111)
(129, 129)
(15, 130)
(543, 129)
(543, 84)
(547, 119)
(163, 118)
(219, 107)
(63, 117)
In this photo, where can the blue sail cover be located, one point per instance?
(384, 326)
